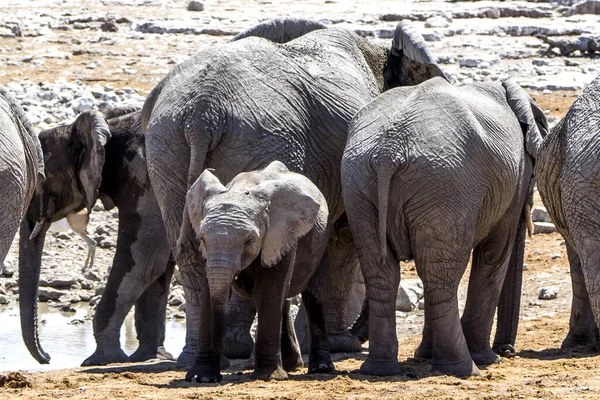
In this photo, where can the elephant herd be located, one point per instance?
(298, 158)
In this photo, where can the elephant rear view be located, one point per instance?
(429, 173)
(567, 173)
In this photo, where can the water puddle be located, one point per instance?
(68, 344)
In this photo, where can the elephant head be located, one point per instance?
(73, 157)
(259, 214)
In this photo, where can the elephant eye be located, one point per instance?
(248, 242)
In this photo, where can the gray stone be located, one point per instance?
(548, 293)
(584, 7)
(48, 293)
(195, 6)
(438, 22)
(92, 275)
(176, 297)
(4, 299)
(71, 297)
(540, 214)
(64, 282)
(543, 227)
(410, 291)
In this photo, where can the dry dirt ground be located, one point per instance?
(541, 369)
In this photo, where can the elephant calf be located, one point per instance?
(265, 232)
(429, 173)
(567, 174)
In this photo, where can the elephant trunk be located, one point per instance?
(30, 261)
(220, 275)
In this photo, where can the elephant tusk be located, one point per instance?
(36, 228)
(528, 221)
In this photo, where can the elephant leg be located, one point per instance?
(271, 286)
(238, 341)
(173, 165)
(441, 257)
(206, 364)
(344, 268)
(150, 315)
(488, 270)
(582, 324)
(319, 357)
(360, 327)
(290, 348)
(509, 304)
(425, 348)
(140, 259)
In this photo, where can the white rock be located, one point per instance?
(543, 227)
(540, 214)
(548, 293)
(410, 291)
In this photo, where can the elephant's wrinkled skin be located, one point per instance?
(88, 159)
(21, 170)
(238, 106)
(567, 175)
(429, 173)
(266, 233)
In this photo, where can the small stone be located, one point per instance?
(548, 293)
(4, 300)
(537, 252)
(421, 305)
(176, 297)
(540, 214)
(525, 267)
(67, 309)
(410, 291)
(543, 227)
(179, 316)
(555, 256)
(547, 91)
(92, 275)
(77, 322)
(95, 300)
(100, 289)
(106, 244)
(195, 6)
(47, 293)
(109, 26)
(86, 284)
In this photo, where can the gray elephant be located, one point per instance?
(240, 105)
(567, 177)
(266, 233)
(429, 173)
(89, 159)
(21, 168)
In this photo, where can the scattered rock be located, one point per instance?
(543, 227)
(548, 293)
(410, 291)
(195, 6)
(64, 282)
(540, 214)
(176, 297)
(92, 275)
(48, 293)
(4, 299)
(67, 309)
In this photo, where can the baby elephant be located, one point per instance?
(265, 232)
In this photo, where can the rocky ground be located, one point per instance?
(60, 57)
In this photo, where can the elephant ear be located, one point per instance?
(89, 135)
(292, 214)
(281, 30)
(530, 116)
(409, 59)
(205, 186)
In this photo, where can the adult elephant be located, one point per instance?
(567, 176)
(429, 173)
(238, 106)
(98, 158)
(21, 168)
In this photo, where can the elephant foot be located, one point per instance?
(144, 354)
(277, 374)
(380, 367)
(204, 374)
(103, 357)
(485, 357)
(186, 359)
(344, 343)
(321, 366)
(424, 350)
(237, 346)
(292, 362)
(505, 350)
(572, 342)
(460, 369)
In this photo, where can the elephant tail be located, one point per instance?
(386, 169)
